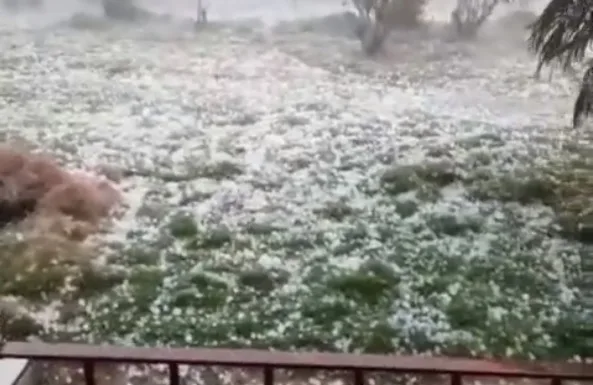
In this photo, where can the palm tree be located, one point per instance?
(562, 33)
(583, 106)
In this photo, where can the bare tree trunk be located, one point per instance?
(373, 37)
(201, 17)
(370, 29)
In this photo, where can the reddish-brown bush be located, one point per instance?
(36, 186)
(82, 197)
(10, 160)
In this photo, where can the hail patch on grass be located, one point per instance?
(283, 193)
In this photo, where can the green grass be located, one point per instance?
(402, 275)
(420, 233)
(369, 285)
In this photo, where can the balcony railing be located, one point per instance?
(268, 361)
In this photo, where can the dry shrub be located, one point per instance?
(124, 10)
(36, 187)
(404, 13)
(43, 241)
(83, 198)
(379, 17)
(39, 266)
(46, 171)
(470, 15)
(56, 231)
(48, 216)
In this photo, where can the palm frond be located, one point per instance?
(563, 31)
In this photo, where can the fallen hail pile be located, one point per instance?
(283, 192)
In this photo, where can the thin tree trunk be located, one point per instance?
(201, 15)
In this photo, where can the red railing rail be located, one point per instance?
(268, 361)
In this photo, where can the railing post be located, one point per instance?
(556, 381)
(358, 377)
(173, 374)
(268, 375)
(456, 379)
(89, 372)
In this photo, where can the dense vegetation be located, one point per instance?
(313, 218)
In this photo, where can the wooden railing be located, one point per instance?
(269, 361)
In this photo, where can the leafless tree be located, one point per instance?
(377, 18)
(469, 15)
(202, 14)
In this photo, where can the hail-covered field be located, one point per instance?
(283, 191)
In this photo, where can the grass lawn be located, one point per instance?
(285, 193)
